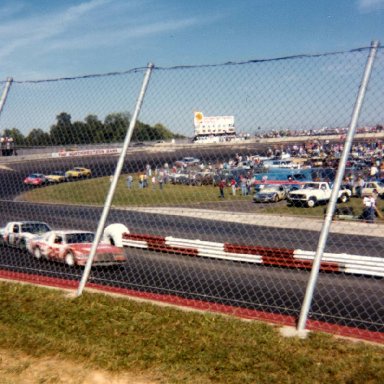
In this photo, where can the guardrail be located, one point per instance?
(268, 256)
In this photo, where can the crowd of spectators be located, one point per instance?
(315, 132)
(364, 163)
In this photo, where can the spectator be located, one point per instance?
(221, 188)
(141, 181)
(249, 185)
(161, 179)
(359, 185)
(148, 170)
(243, 183)
(153, 181)
(374, 172)
(369, 210)
(233, 187)
(129, 181)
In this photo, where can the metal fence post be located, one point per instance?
(333, 200)
(112, 189)
(5, 93)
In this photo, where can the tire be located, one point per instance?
(311, 202)
(112, 241)
(69, 259)
(344, 198)
(37, 253)
(23, 245)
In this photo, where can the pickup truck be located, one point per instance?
(18, 233)
(313, 193)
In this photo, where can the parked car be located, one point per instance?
(73, 248)
(269, 193)
(313, 193)
(187, 162)
(78, 172)
(35, 179)
(192, 178)
(56, 177)
(138, 144)
(19, 233)
(371, 185)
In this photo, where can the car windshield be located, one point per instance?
(84, 237)
(311, 186)
(35, 228)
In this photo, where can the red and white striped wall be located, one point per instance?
(277, 257)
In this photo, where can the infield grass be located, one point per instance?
(170, 345)
(94, 192)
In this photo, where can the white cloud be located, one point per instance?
(88, 25)
(370, 5)
(23, 33)
(120, 35)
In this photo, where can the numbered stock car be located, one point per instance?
(35, 179)
(19, 233)
(73, 248)
(56, 177)
(78, 172)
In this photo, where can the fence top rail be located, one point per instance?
(229, 63)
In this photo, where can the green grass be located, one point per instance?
(173, 346)
(94, 192)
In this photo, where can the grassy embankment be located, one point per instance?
(167, 345)
(94, 191)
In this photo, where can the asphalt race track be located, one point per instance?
(354, 301)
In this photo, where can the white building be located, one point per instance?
(213, 128)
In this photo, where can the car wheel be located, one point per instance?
(344, 198)
(69, 259)
(311, 202)
(37, 253)
(23, 244)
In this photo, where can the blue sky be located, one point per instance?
(53, 38)
(48, 39)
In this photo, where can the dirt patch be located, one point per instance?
(20, 368)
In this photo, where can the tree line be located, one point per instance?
(90, 131)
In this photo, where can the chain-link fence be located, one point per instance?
(222, 192)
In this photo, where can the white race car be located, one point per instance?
(19, 233)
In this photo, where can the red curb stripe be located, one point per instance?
(300, 264)
(142, 237)
(257, 250)
(174, 250)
